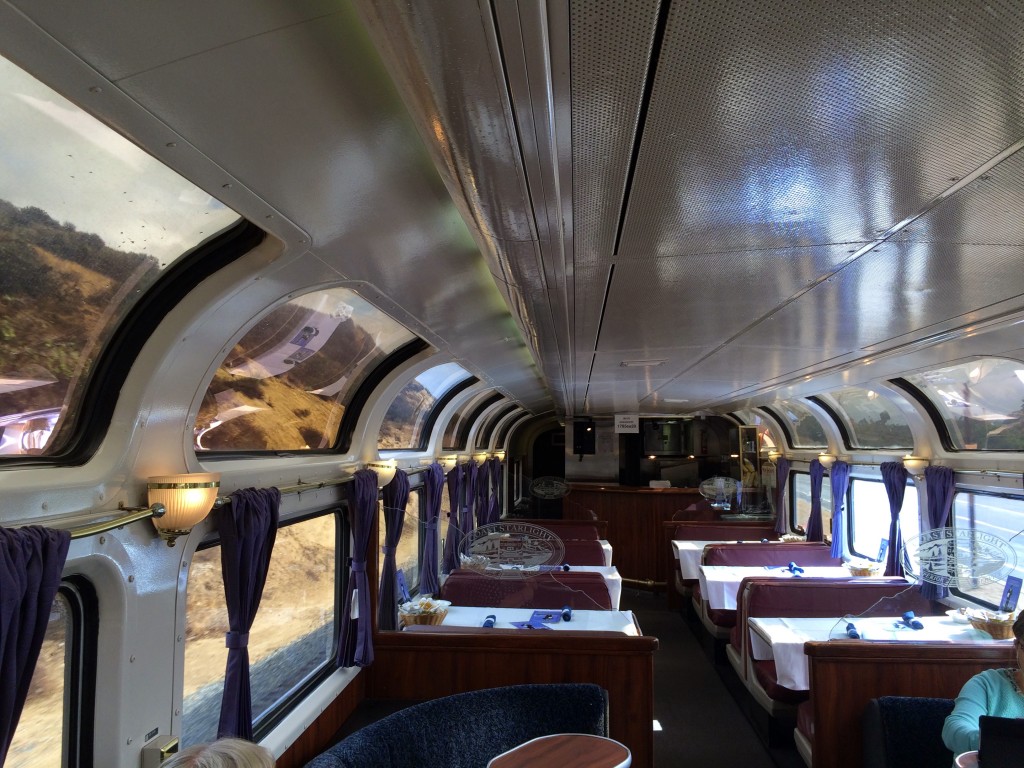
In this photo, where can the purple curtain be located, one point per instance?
(493, 510)
(483, 492)
(248, 530)
(894, 478)
(433, 484)
(939, 484)
(451, 542)
(466, 508)
(396, 496)
(31, 561)
(355, 645)
(815, 530)
(840, 475)
(781, 478)
(499, 485)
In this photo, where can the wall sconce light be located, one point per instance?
(448, 462)
(187, 499)
(480, 458)
(915, 465)
(774, 454)
(385, 470)
(826, 460)
(499, 455)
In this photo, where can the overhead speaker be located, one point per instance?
(584, 438)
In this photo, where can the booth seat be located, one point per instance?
(569, 529)
(583, 552)
(766, 597)
(466, 730)
(576, 589)
(719, 622)
(803, 733)
(701, 530)
(906, 730)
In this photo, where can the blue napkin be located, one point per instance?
(567, 613)
(528, 625)
(489, 620)
(795, 569)
(911, 621)
(851, 631)
(546, 617)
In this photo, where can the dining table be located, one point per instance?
(689, 553)
(720, 583)
(623, 622)
(782, 639)
(565, 750)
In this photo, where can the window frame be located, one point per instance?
(791, 489)
(265, 722)
(87, 428)
(431, 420)
(852, 513)
(958, 490)
(78, 703)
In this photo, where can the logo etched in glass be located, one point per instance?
(951, 557)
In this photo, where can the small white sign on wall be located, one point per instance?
(627, 423)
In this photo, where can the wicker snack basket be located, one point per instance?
(422, 618)
(423, 610)
(865, 568)
(999, 629)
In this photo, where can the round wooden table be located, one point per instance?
(565, 750)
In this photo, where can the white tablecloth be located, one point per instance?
(605, 621)
(688, 553)
(783, 639)
(719, 583)
(607, 547)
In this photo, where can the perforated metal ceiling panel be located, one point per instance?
(989, 209)
(781, 142)
(705, 299)
(787, 123)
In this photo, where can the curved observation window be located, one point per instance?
(506, 428)
(286, 383)
(870, 419)
(981, 402)
(88, 222)
(456, 434)
(483, 438)
(410, 411)
(804, 426)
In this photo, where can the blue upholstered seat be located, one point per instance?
(468, 729)
(906, 732)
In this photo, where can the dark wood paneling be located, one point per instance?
(635, 517)
(318, 736)
(845, 675)
(425, 665)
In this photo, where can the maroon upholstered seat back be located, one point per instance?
(700, 531)
(802, 553)
(572, 532)
(783, 598)
(581, 552)
(580, 591)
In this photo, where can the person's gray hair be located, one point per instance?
(223, 753)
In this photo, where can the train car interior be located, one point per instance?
(344, 342)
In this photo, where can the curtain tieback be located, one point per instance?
(432, 525)
(236, 640)
(358, 566)
(387, 550)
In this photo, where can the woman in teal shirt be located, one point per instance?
(998, 692)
